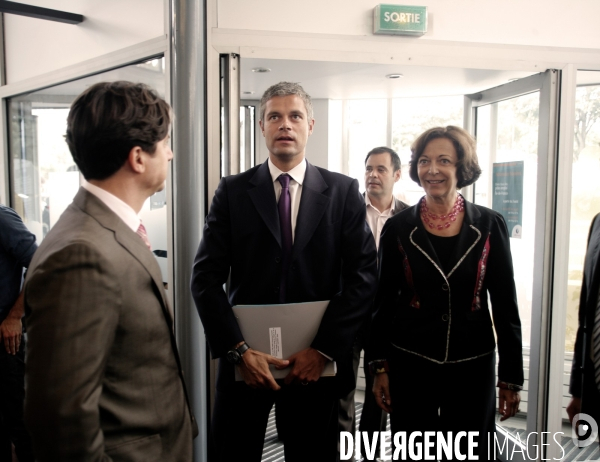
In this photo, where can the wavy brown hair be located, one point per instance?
(108, 120)
(467, 168)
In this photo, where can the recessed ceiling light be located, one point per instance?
(394, 76)
(247, 93)
(513, 79)
(261, 70)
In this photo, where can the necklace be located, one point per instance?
(446, 220)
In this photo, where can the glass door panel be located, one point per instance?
(507, 131)
(585, 204)
(44, 177)
(513, 124)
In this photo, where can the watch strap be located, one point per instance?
(243, 348)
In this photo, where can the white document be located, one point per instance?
(281, 330)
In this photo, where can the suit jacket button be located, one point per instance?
(277, 289)
(444, 286)
(277, 259)
(445, 317)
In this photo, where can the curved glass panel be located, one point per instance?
(44, 178)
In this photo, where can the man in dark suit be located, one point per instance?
(285, 232)
(382, 171)
(104, 380)
(585, 374)
(17, 246)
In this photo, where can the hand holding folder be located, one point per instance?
(281, 330)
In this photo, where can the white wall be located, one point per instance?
(35, 46)
(555, 23)
(318, 143)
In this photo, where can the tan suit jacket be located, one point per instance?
(104, 380)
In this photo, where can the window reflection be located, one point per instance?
(585, 198)
(585, 204)
(44, 177)
(507, 131)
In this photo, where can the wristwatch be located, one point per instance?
(235, 356)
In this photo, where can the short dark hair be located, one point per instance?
(108, 120)
(286, 89)
(385, 150)
(467, 168)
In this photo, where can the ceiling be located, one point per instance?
(336, 80)
(322, 80)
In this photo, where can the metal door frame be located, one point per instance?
(548, 84)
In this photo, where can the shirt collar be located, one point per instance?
(120, 208)
(368, 204)
(297, 173)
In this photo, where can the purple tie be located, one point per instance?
(285, 223)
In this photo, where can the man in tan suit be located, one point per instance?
(104, 380)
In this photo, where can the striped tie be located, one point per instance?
(141, 231)
(596, 343)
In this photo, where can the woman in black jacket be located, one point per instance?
(432, 347)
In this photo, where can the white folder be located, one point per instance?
(281, 331)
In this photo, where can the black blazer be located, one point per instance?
(587, 310)
(445, 317)
(333, 257)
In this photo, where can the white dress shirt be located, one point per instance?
(121, 209)
(377, 219)
(297, 174)
(295, 187)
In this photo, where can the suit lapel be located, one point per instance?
(312, 204)
(420, 240)
(469, 235)
(312, 207)
(136, 247)
(467, 238)
(128, 239)
(262, 195)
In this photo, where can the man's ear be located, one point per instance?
(311, 125)
(397, 175)
(262, 129)
(136, 160)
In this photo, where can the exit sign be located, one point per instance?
(400, 20)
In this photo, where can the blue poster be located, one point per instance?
(508, 195)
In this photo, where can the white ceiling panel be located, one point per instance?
(335, 80)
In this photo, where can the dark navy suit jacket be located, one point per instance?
(333, 258)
